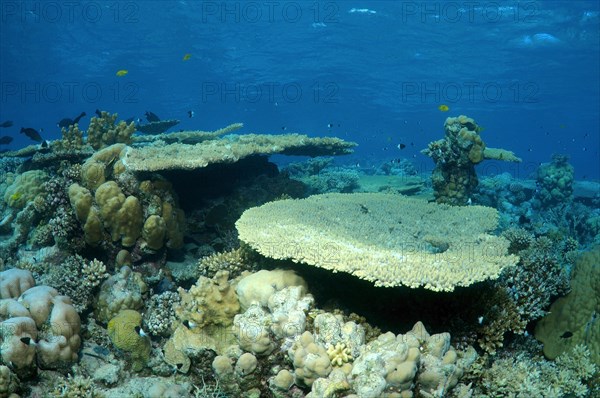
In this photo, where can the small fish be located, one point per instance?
(5, 140)
(566, 335)
(133, 119)
(151, 117)
(401, 146)
(329, 125)
(283, 128)
(524, 219)
(190, 114)
(140, 331)
(98, 113)
(7, 123)
(122, 72)
(187, 57)
(66, 122)
(443, 108)
(31, 133)
(27, 341)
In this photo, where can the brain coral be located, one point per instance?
(387, 239)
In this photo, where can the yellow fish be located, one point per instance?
(186, 57)
(122, 72)
(443, 108)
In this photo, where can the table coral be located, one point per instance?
(388, 239)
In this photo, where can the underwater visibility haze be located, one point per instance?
(299, 198)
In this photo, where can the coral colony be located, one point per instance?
(186, 264)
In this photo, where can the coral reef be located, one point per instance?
(390, 240)
(573, 319)
(230, 149)
(39, 327)
(525, 376)
(124, 331)
(455, 156)
(554, 182)
(105, 131)
(122, 291)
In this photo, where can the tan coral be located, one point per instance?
(209, 302)
(229, 150)
(387, 239)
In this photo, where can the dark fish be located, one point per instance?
(31, 133)
(401, 146)
(524, 219)
(27, 340)
(156, 127)
(190, 114)
(7, 123)
(151, 117)
(98, 113)
(5, 140)
(133, 119)
(566, 335)
(66, 122)
(284, 128)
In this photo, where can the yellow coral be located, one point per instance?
(390, 240)
(124, 332)
(339, 354)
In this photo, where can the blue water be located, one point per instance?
(376, 71)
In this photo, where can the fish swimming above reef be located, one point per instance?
(5, 140)
(151, 117)
(122, 72)
(31, 133)
(158, 127)
(7, 123)
(66, 122)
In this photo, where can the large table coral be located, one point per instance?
(230, 149)
(387, 239)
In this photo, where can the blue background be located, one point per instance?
(376, 70)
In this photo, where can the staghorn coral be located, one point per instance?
(387, 239)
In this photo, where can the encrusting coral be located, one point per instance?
(388, 239)
(573, 319)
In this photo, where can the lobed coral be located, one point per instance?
(39, 327)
